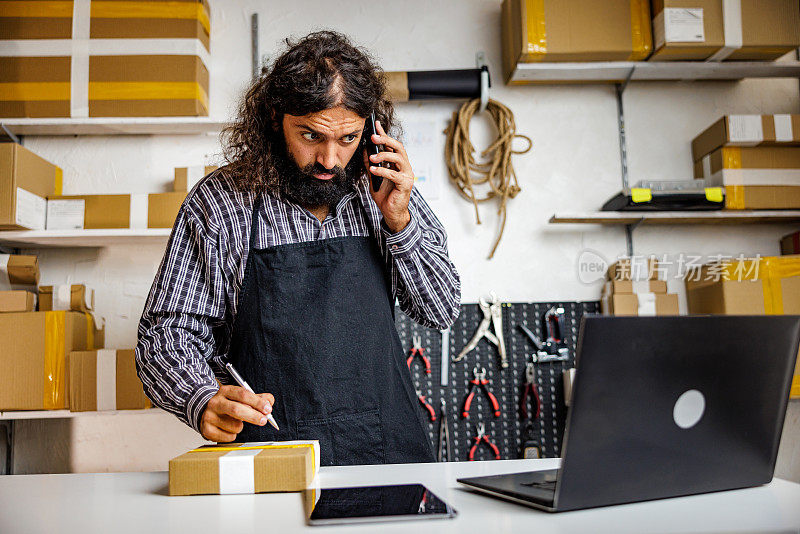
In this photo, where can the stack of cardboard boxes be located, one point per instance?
(635, 30)
(756, 158)
(757, 286)
(36, 352)
(634, 287)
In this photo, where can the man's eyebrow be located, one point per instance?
(310, 129)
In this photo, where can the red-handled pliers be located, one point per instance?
(427, 406)
(481, 381)
(481, 436)
(529, 390)
(418, 350)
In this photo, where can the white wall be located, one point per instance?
(573, 166)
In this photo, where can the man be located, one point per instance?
(287, 264)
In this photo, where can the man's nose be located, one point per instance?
(327, 156)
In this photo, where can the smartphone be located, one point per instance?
(372, 504)
(372, 148)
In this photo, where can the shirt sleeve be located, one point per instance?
(424, 280)
(183, 317)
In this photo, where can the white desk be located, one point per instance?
(138, 502)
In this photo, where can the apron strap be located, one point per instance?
(257, 202)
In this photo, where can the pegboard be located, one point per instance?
(506, 384)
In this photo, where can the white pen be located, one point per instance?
(239, 380)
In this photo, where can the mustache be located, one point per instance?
(318, 168)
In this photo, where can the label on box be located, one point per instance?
(65, 214)
(783, 128)
(684, 25)
(745, 130)
(138, 211)
(31, 210)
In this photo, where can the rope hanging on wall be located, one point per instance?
(496, 171)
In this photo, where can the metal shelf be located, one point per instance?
(66, 414)
(621, 71)
(679, 217)
(82, 238)
(114, 126)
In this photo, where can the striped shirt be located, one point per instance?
(185, 329)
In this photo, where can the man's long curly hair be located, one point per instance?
(320, 71)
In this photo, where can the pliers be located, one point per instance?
(492, 314)
(417, 349)
(481, 381)
(481, 436)
(529, 389)
(425, 405)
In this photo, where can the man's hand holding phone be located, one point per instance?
(395, 192)
(228, 410)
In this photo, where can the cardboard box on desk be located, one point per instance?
(766, 177)
(239, 468)
(26, 180)
(759, 286)
(750, 30)
(33, 358)
(17, 301)
(112, 59)
(576, 30)
(135, 211)
(748, 131)
(105, 380)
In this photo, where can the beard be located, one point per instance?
(299, 184)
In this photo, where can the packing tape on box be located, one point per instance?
(537, 30)
(62, 297)
(237, 466)
(641, 33)
(138, 211)
(745, 130)
(783, 128)
(79, 59)
(54, 359)
(647, 304)
(766, 177)
(106, 379)
(732, 26)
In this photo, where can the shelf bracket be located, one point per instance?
(629, 228)
(7, 428)
(7, 136)
(623, 149)
(255, 54)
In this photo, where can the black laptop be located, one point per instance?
(665, 407)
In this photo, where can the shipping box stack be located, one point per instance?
(78, 298)
(238, 468)
(756, 158)
(633, 287)
(105, 380)
(134, 211)
(790, 244)
(26, 180)
(759, 286)
(574, 30)
(104, 59)
(717, 30)
(19, 276)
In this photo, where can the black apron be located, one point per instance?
(315, 327)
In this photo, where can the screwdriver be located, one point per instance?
(239, 380)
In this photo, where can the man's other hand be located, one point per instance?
(227, 411)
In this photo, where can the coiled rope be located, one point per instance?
(496, 170)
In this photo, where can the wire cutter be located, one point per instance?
(492, 314)
(482, 437)
(425, 405)
(444, 434)
(481, 381)
(529, 390)
(417, 349)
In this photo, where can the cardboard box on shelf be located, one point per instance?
(716, 30)
(634, 268)
(187, 177)
(17, 301)
(143, 59)
(135, 211)
(765, 177)
(790, 244)
(748, 131)
(269, 467)
(74, 297)
(630, 286)
(768, 285)
(105, 380)
(33, 358)
(639, 304)
(25, 181)
(574, 30)
(18, 271)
